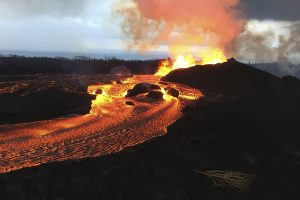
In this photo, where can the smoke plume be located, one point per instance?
(271, 46)
(182, 26)
(268, 45)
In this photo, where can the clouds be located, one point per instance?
(72, 25)
(269, 41)
(57, 8)
(57, 25)
(41, 34)
(283, 10)
(287, 10)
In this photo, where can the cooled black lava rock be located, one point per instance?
(154, 87)
(40, 104)
(139, 88)
(173, 92)
(290, 81)
(156, 95)
(129, 103)
(119, 82)
(98, 91)
(231, 78)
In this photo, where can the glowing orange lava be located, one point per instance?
(110, 127)
(208, 56)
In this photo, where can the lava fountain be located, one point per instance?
(194, 32)
(209, 56)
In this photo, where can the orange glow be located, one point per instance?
(195, 32)
(111, 127)
(181, 62)
(208, 56)
(166, 96)
(212, 56)
(98, 103)
(101, 99)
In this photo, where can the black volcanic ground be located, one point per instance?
(239, 142)
(229, 79)
(26, 98)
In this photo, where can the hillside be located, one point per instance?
(229, 78)
(241, 141)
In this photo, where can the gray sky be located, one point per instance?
(284, 10)
(87, 25)
(58, 25)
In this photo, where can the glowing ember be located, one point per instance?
(208, 56)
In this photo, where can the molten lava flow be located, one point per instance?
(111, 126)
(208, 56)
(101, 99)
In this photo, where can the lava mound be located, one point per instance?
(156, 95)
(173, 92)
(154, 91)
(139, 88)
(229, 78)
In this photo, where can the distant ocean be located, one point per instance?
(120, 54)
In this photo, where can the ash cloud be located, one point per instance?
(269, 46)
(181, 24)
(259, 47)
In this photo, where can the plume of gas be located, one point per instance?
(269, 46)
(184, 27)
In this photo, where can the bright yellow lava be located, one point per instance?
(101, 99)
(212, 56)
(208, 56)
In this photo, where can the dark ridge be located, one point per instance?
(40, 105)
(20, 65)
(229, 78)
(40, 97)
(255, 139)
(279, 70)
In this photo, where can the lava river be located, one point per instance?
(110, 127)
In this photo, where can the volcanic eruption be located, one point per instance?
(194, 32)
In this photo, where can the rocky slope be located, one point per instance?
(239, 142)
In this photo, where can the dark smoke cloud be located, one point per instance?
(57, 8)
(259, 48)
(287, 10)
(260, 45)
(255, 46)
